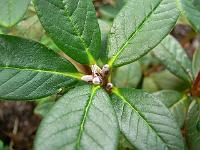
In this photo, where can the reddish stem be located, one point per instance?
(195, 88)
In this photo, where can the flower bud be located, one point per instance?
(97, 80)
(87, 78)
(105, 70)
(109, 86)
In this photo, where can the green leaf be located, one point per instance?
(82, 119)
(172, 55)
(145, 121)
(192, 126)
(163, 80)
(1, 145)
(110, 11)
(49, 43)
(12, 11)
(196, 63)
(177, 103)
(149, 84)
(191, 12)
(128, 76)
(29, 70)
(44, 105)
(139, 27)
(196, 3)
(73, 26)
(105, 28)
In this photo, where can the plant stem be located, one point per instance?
(195, 88)
(80, 67)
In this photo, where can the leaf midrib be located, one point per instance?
(133, 34)
(184, 97)
(93, 91)
(66, 74)
(117, 92)
(87, 50)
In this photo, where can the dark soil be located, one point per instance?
(18, 124)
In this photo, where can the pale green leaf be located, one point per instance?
(192, 126)
(29, 70)
(82, 119)
(145, 121)
(149, 84)
(128, 75)
(43, 109)
(172, 55)
(139, 27)
(192, 12)
(196, 63)
(12, 11)
(73, 26)
(177, 103)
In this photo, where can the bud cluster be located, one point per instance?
(99, 76)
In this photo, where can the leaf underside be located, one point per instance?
(81, 119)
(173, 56)
(145, 121)
(72, 25)
(29, 70)
(139, 27)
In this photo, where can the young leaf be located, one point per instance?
(139, 27)
(12, 11)
(192, 126)
(145, 121)
(82, 119)
(176, 102)
(29, 70)
(196, 63)
(172, 55)
(192, 12)
(73, 26)
(128, 76)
